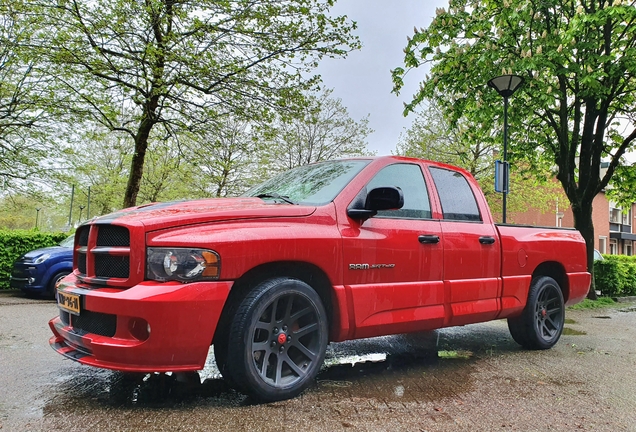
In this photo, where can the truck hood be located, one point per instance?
(178, 213)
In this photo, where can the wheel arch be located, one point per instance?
(309, 273)
(556, 271)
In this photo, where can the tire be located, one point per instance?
(540, 324)
(277, 340)
(50, 292)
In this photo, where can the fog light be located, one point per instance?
(139, 328)
(31, 280)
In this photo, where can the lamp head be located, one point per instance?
(506, 85)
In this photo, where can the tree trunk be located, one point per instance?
(146, 124)
(583, 222)
(137, 164)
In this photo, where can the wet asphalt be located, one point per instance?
(471, 378)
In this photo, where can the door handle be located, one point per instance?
(428, 239)
(486, 240)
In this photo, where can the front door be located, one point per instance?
(394, 260)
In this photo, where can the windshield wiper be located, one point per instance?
(276, 196)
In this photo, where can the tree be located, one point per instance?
(432, 137)
(236, 154)
(165, 171)
(98, 160)
(23, 148)
(579, 61)
(322, 130)
(224, 160)
(173, 63)
(623, 190)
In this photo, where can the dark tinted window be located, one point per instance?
(409, 178)
(455, 195)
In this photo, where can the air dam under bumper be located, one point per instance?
(182, 320)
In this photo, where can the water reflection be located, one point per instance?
(380, 367)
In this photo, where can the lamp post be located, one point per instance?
(37, 215)
(70, 211)
(80, 217)
(506, 86)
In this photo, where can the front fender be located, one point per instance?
(62, 266)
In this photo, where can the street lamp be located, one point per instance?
(37, 216)
(81, 209)
(506, 86)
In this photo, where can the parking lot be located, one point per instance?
(459, 379)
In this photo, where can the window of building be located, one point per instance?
(627, 217)
(615, 215)
(613, 247)
(455, 195)
(602, 244)
(627, 248)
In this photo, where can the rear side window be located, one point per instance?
(455, 195)
(410, 179)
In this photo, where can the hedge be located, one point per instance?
(15, 243)
(615, 276)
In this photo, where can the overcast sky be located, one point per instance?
(363, 79)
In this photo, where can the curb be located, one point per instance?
(628, 299)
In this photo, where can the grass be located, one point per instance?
(602, 302)
(454, 354)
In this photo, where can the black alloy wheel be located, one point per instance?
(283, 332)
(548, 313)
(541, 323)
(51, 291)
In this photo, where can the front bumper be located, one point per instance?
(182, 319)
(27, 277)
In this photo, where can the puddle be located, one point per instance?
(421, 366)
(353, 360)
(571, 332)
(376, 375)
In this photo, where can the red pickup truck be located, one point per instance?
(332, 251)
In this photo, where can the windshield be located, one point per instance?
(315, 184)
(68, 242)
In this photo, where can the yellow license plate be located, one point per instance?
(68, 302)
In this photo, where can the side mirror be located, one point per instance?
(381, 198)
(385, 198)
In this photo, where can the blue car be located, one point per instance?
(37, 272)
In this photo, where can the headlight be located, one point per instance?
(41, 259)
(181, 264)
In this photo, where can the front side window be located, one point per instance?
(409, 178)
(455, 195)
(315, 184)
(68, 241)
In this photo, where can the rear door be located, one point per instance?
(472, 257)
(393, 261)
